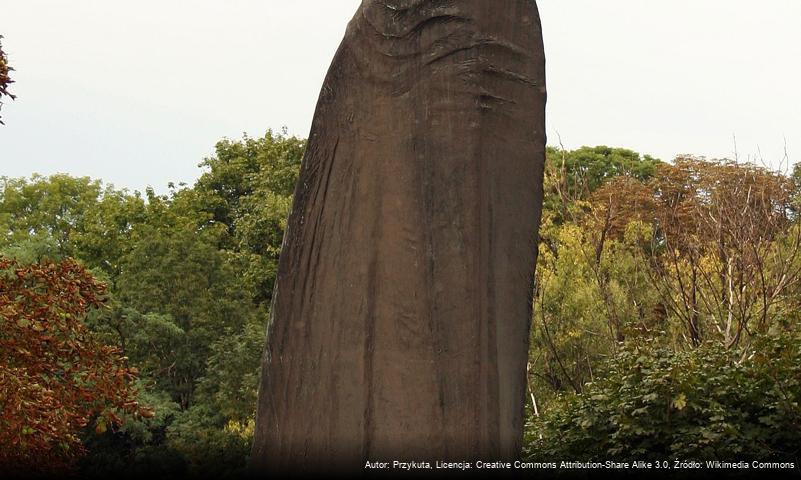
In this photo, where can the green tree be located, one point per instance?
(63, 216)
(586, 169)
(248, 187)
(175, 268)
(46, 207)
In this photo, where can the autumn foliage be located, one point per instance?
(722, 246)
(5, 79)
(55, 377)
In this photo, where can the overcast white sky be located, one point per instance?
(137, 93)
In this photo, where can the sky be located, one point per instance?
(138, 93)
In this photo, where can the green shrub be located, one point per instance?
(653, 402)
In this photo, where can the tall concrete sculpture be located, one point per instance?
(400, 322)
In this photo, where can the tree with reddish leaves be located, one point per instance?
(55, 376)
(5, 79)
(724, 247)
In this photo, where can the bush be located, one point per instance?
(655, 403)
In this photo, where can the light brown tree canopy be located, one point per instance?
(399, 328)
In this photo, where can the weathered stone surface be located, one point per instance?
(399, 328)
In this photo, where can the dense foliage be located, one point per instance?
(702, 404)
(55, 376)
(189, 276)
(665, 316)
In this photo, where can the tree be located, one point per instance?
(700, 251)
(187, 293)
(186, 287)
(584, 170)
(5, 78)
(592, 291)
(584, 307)
(722, 249)
(55, 377)
(248, 187)
(63, 216)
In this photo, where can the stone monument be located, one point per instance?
(400, 322)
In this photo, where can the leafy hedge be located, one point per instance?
(709, 403)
